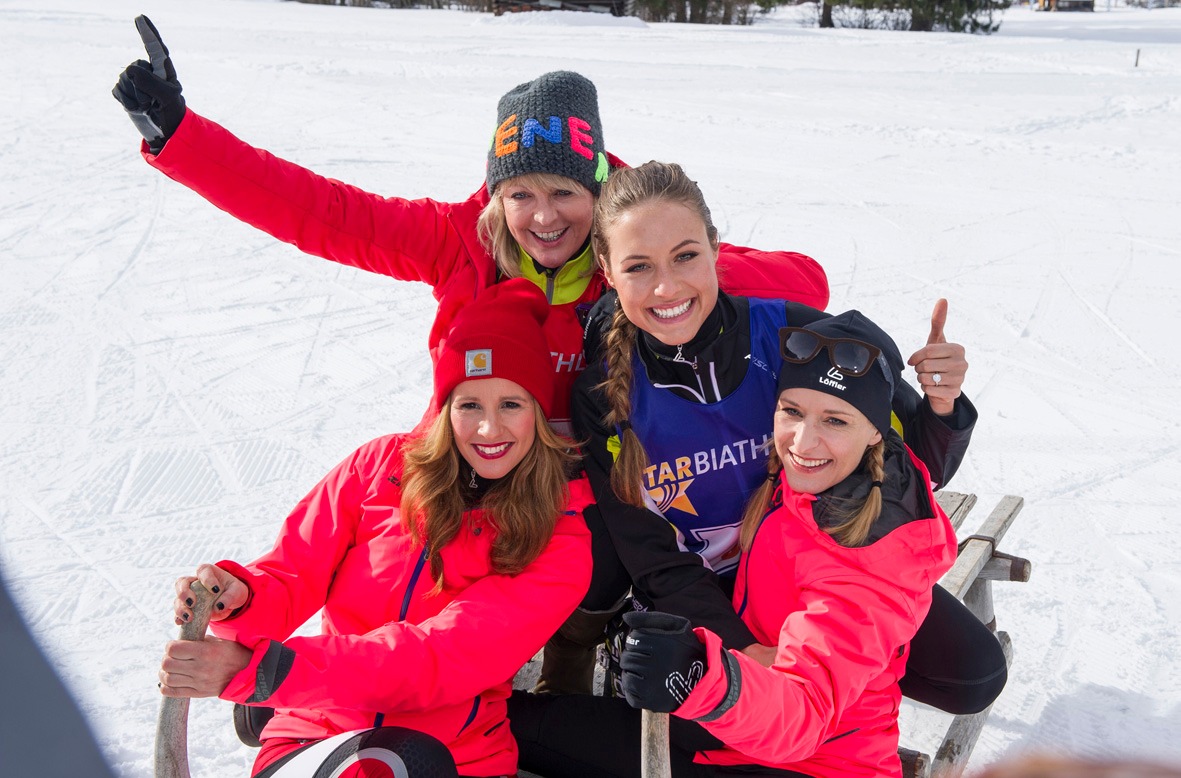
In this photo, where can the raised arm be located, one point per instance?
(774, 275)
(413, 240)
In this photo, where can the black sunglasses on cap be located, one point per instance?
(852, 357)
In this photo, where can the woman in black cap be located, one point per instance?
(841, 547)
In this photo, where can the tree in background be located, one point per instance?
(971, 16)
(700, 11)
(974, 16)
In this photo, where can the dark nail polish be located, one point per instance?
(189, 602)
(215, 589)
(185, 617)
(221, 606)
(159, 685)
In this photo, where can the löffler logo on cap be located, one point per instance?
(834, 379)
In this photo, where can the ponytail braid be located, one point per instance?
(854, 530)
(626, 475)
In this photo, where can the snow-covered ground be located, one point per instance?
(171, 381)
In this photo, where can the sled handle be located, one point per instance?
(172, 728)
(654, 758)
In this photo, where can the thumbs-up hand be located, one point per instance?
(940, 365)
(149, 91)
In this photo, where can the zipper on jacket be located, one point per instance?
(550, 272)
(746, 561)
(410, 587)
(472, 715)
(843, 734)
(680, 357)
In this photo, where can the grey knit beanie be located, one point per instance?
(549, 125)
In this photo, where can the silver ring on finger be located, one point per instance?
(936, 378)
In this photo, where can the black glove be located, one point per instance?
(662, 661)
(149, 91)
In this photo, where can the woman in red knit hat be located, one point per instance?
(442, 560)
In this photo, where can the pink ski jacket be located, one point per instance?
(389, 652)
(422, 240)
(842, 619)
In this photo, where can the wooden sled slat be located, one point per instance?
(978, 549)
(979, 564)
(956, 505)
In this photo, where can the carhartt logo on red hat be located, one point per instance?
(477, 362)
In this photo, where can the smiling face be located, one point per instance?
(550, 222)
(493, 423)
(820, 439)
(664, 267)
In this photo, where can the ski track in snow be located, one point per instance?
(172, 382)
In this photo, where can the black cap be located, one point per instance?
(871, 394)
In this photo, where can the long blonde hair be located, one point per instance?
(492, 226)
(859, 515)
(626, 189)
(524, 505)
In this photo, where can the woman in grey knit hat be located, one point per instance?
(531, 217)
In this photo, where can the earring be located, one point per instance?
(473, 481)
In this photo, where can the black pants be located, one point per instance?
(956, 664)
(579, 736)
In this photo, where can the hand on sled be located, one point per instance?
(201, 668)
(940, 365)
(230, 592)
(662, 661)
(149, 91)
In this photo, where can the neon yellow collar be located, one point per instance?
(562, 285)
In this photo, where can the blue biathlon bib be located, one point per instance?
(707, 459)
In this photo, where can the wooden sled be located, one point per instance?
(970, 579)
(979, 564)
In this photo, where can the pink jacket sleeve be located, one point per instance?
(411, 240)
(479, 640)
(291, 580)
(775, 275)
(847, 634)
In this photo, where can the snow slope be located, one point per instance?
(171, 382)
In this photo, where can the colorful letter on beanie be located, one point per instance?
(533, 128)
(503, 133)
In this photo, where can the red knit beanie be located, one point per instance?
(499, 335)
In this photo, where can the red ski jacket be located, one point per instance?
(389, 651)
(842, 619)
(421, 240)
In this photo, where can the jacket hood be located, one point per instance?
(906, 494)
